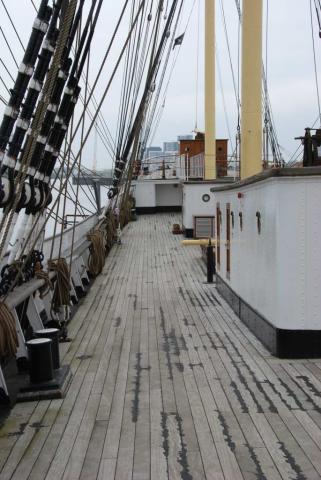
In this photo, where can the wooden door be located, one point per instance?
(218, 236)
(228, 240)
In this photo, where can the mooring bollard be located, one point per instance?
(53, 334)
(40, 360)
(210, 254)
(210, 261)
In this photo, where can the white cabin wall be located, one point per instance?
(193, 203)
(251, 254)
(168, 195)
(277, 273)
(145, 194)
(301, 274)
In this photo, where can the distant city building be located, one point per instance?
(170, 147)
(152, 152)
(185, 137)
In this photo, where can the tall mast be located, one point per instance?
(209, 107)
(251, 103)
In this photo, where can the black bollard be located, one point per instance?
(210, 262)
(214, 262)
(53, 334)
(40, 359)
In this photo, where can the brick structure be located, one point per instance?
(196, 146)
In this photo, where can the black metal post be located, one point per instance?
(40, 359)
(210, 262)
(214, 262)
(53, 335)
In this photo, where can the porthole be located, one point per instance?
(206, 198)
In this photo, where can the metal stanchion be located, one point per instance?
(210, 262)
(210, 254)
(40, 358)
(53, 334)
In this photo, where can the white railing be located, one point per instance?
(196, 166)
(190, 168)
(160, 167)
(184, 167)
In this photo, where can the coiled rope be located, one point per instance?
(61, 294)
(126, 210)
(8, 334)
(111, 229)
(43, 275)
(97, 250)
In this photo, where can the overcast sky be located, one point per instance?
(290, 69)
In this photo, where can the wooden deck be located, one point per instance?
(167, 383)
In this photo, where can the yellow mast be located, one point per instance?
(210, 152)
(251, 102)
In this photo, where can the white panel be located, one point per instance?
(145, 194)
(22, 349)
(33, 315)
(193, 205)
(168, 195)
(277, 272)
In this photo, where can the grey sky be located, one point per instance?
(290, 69)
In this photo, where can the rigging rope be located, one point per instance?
(80, 159)
(223, 96)
(43, 275)
(143, 62)
(5, 85)
(7, 70)
(152, 130)
(197, 61)
(34, 6)
(266, 113)
(8, 334)
(61, 294)
(315, 63)
(9, 48)
(40, 113)
(13, 25)
(78, 72)
(150, 115)
(39, 213)
(229, 53)
(97, 252)
(277, 155)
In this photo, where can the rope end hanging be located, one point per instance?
(8, 334)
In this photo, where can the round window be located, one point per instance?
(206, 197)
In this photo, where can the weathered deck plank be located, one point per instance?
(167, 383)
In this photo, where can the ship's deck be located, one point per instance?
(167, 383)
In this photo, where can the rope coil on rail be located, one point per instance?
(61, 294)
(125, 215)
(43, 275)
(111, 229)
(97, 250)
(8, 334)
